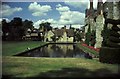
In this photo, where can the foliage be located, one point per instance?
(15, 29)
(78, 36)
(28, 24)
(45, 26)
(5, 29)
(105, 35)
(88, 35)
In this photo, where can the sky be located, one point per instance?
(57, 13)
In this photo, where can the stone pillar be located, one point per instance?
(99, 27)
(99, 24)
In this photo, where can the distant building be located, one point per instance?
(60, 35)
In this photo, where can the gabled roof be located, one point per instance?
(60, 32)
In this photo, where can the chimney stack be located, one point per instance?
(91, 4)
(100, 6)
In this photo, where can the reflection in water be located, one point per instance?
(56, 50)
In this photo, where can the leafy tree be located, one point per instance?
(93, 37)
(5, 29)
(45, 26)
(28, 24)
(78, 36)
(88, 36)
(17, 29)
(105, 35)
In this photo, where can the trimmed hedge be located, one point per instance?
(114, 39)
(114, 33)
(112, 44)
(109, 55)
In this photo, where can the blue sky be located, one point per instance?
(58, 13)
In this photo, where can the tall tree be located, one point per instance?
(17, 29)
(88, 36)
(5, 29)
(45, 26)
(28, 24)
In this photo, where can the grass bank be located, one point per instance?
(14, 47)
(88, 50)
(23, 67)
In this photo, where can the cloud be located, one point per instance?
(67, 17)
(7, 20)
(83, 4)
(80, 4)
(52, 21)
(39, 10)
(70, 17)
(61, 8)
(7, 10)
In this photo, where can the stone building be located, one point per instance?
(60, 35)
(90, 25)
(94, 24)
(99, 24)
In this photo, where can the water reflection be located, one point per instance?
(56, 50)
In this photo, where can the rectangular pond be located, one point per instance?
(56, 50)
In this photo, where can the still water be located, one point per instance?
(56, 50)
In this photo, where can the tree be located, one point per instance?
(5, 29)
(17, 29)
(28, 24)
(88, 36)
(45, 26)
(78, 36)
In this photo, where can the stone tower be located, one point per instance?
(99, 24)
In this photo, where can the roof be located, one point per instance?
(60, 32)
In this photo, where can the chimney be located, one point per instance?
(65, 28)
(91, 4)
(100, 7)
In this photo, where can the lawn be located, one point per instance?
(12, 48)
(23, 67)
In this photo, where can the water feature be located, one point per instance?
(56, 50)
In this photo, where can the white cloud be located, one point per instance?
(7, 20)
(80, 4)
(52, 21)
(83, 3)
(61, 8)
(70, 17)
(67, 17)
(39, 10)
(7, 10)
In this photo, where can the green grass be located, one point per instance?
(85, 49)
(12, 48)
(14, 66)
(31, 67)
